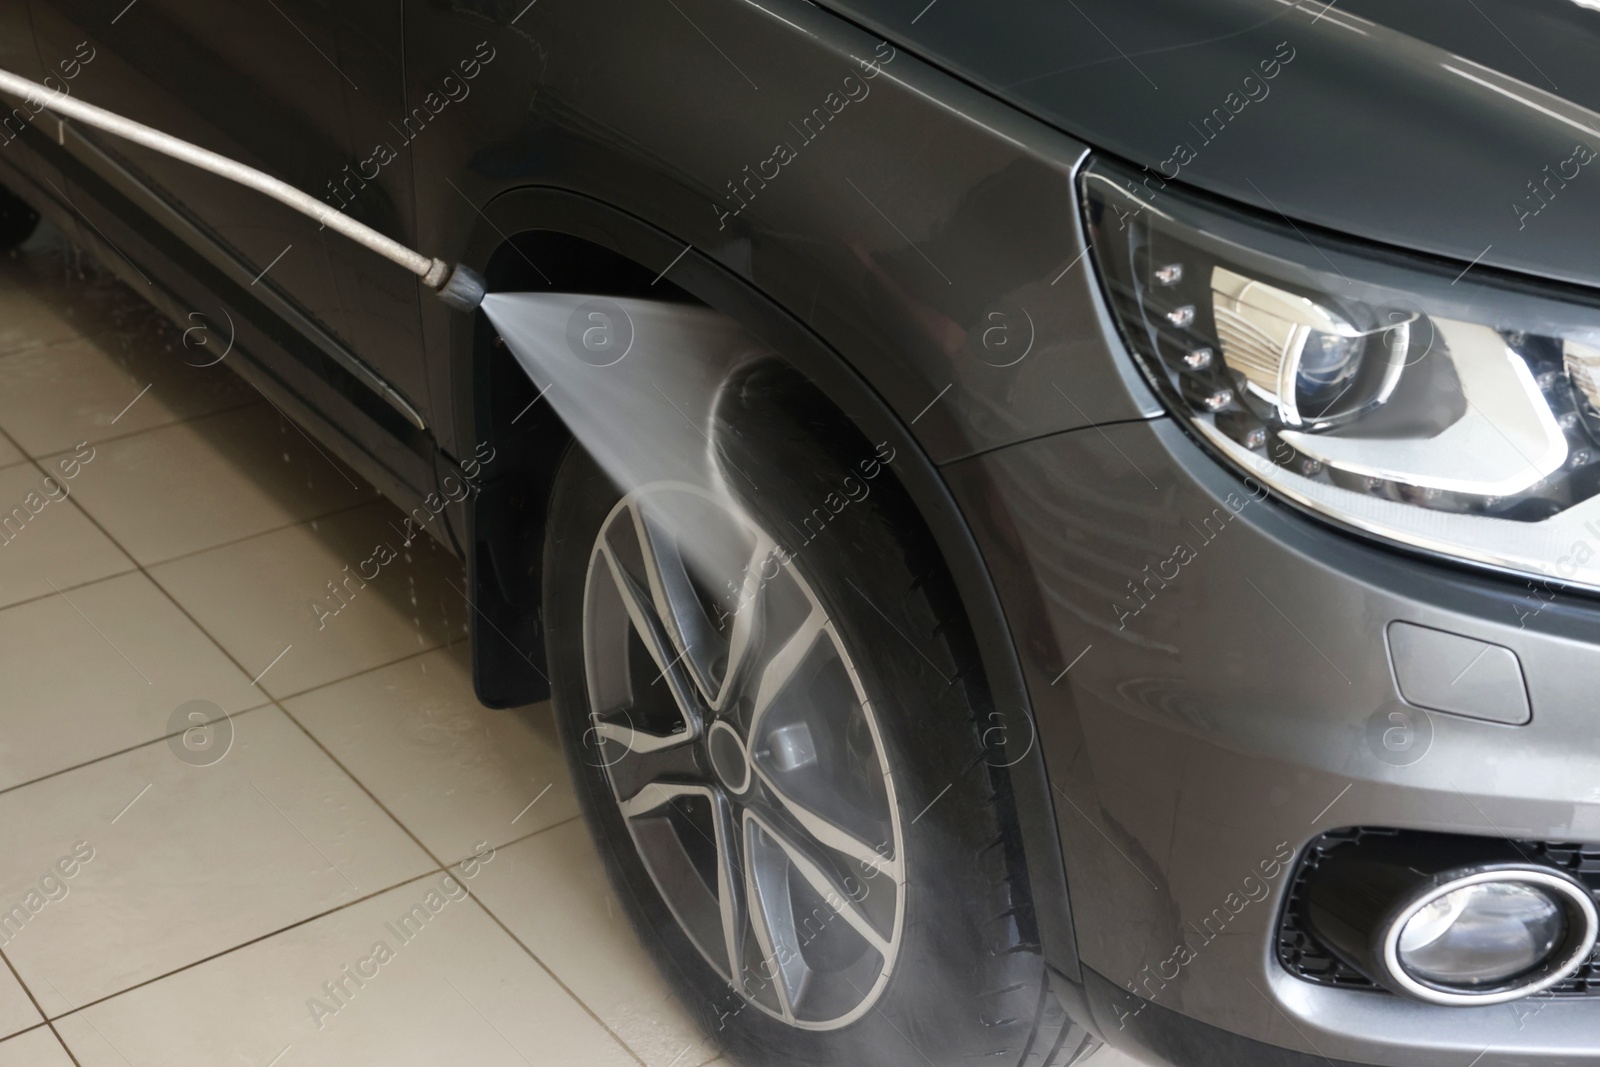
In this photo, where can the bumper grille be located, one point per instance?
(1302, 955)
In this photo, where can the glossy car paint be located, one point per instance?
(1226, 720)
(1417, 124)
(901, 230)
(1230, 715)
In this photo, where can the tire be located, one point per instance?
(17, 221)
(917, 946)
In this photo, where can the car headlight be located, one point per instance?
(1387, 393)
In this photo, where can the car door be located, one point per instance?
(19, 55)
(303, 89)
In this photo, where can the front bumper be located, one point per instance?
(1217, 715)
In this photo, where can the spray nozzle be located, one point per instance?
(463, 289)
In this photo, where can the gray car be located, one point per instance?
(1044, 524)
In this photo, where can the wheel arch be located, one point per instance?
(614, 253)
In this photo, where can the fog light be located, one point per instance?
(1483, 934)
(1449, 919)
(1490, 936)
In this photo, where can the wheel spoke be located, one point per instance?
(646, 623)
(731, 879)
(656, 795)
(680, 609)
(879, 857)
(781, 668)
(872, 855)
(639, 742)
(742, 638)
(713, 914)
(666, 761)
(731, 867)
(772, 917)
(826, 885)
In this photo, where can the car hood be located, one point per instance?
(1445, 127)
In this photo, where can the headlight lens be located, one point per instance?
(1389, 394)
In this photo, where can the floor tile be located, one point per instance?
(17, 1012)
(182, 861)
(89, 389)
(552, 892)
(272, 592)
(36, 1048)
(45, 538)
(105, 667)
(454, 772)
(183, 488)
(458, 992)
(28, 323)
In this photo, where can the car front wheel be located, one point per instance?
(775, 719)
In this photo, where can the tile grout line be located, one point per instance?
(31, 289)
(37, 463)
(440, 868)
(73, 1056)
(128, 435)
(132, 569)
(145, 571)
(273, 702)
(335, 513)
(534, 956)
(463, 882)
(131, 748)
(14, 443)
(241, 945)
(363, 672)
(125, 435)
(26, 1030)
(48, 1022)
(31, 998)
(174, 601)
(142, 569)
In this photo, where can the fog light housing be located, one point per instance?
(1449, 919)
(1489, 936)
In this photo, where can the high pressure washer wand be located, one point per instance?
(459, 286)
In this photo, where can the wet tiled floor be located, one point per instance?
(205, 898)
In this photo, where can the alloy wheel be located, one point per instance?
(744, 755)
